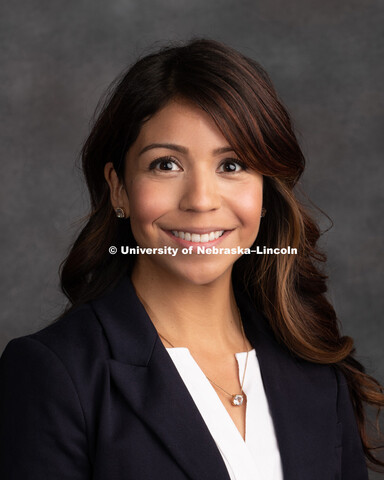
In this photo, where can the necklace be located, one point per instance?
(237, 399)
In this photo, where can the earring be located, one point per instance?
(263, 212)
(120, 212)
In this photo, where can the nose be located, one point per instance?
(200, 192)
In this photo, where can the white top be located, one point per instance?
(256, 458)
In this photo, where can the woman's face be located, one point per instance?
(187, 188)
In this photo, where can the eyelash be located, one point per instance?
(155, 163)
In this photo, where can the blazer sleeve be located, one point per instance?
(352, 458)
(42, 427)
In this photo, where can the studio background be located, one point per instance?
(326, 61)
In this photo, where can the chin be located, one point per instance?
(202, 274)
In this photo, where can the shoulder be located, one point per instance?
(43, 396)
(75, 333)
(75, 343)
(75, 330)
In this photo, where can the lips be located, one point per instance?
(197, 237)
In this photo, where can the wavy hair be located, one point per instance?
(239, 96)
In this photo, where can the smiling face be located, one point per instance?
(186, 187)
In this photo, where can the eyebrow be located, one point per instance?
(179, 148)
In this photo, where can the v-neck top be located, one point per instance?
(256, 458)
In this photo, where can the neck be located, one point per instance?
(200, 317)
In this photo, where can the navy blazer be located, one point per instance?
(96, 396)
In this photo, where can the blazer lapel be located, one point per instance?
(301, 402)
(144, 373)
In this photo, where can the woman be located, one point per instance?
(187, 353)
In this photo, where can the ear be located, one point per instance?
(118, 194)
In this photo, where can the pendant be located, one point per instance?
(237, 400)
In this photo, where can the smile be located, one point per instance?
(198, 238)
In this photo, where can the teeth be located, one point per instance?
(196, 237)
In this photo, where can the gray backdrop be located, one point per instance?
(326, 60)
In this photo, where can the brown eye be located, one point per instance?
(165, 164)
(231, 166)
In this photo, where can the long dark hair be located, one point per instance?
(238, 94)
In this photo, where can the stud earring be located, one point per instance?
(120, 212)
(263, 212)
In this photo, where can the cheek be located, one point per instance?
(248, 204)
(147, 202)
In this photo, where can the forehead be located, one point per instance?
(180, 122)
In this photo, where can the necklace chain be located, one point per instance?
(233, 396)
